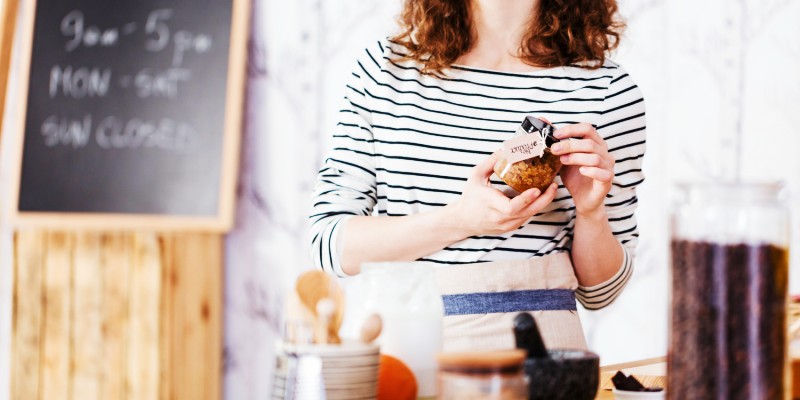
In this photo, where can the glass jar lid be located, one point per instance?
(532, 124)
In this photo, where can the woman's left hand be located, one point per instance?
(588, 166)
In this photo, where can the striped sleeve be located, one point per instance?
(622, 126)
(345, 185)
(600, 295)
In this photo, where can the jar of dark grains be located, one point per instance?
(729, 282)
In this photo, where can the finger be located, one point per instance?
(482, 172)
(542, 201)
(497, 201)
(545, 120)
(598, 174)
(575, 146)
(523, 200)
(514, 224)
(582, 130)
(491, 198)
(583, 160)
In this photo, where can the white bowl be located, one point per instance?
(346, 349)
(629, 395)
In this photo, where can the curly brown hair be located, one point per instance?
(561, 32)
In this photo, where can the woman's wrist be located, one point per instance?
(449, 221)
(593, 215)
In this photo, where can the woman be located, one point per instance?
(424, 114)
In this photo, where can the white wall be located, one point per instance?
(705, 67)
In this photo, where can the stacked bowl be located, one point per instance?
(345, 371)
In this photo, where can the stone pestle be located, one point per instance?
(527, 336)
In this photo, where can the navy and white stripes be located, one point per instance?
(405, 144)
(601, 295)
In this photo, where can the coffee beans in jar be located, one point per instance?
(730, 273)
(526, 161)
(728, 338)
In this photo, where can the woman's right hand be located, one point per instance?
(484, 210)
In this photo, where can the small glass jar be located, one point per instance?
(730, 261)
(535, 171)
(482, 376)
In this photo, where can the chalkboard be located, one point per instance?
(133, 113)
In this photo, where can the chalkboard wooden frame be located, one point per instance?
(234, 105)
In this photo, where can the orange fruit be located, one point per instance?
(395, 380)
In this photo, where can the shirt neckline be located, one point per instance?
(543, 71)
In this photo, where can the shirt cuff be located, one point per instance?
(600, 295)
(337, 237)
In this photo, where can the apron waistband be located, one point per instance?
(510, 301)
(553, 271)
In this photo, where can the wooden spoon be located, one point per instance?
(325, 310)
(313, 286)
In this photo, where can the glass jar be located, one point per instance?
(793, 320)
(526, 160)
(482, 376)
(406, 297)
(729, 283)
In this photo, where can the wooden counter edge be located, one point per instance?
(633, 364)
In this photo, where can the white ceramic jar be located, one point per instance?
(407, 299)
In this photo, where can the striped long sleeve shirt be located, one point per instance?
(406, 142)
